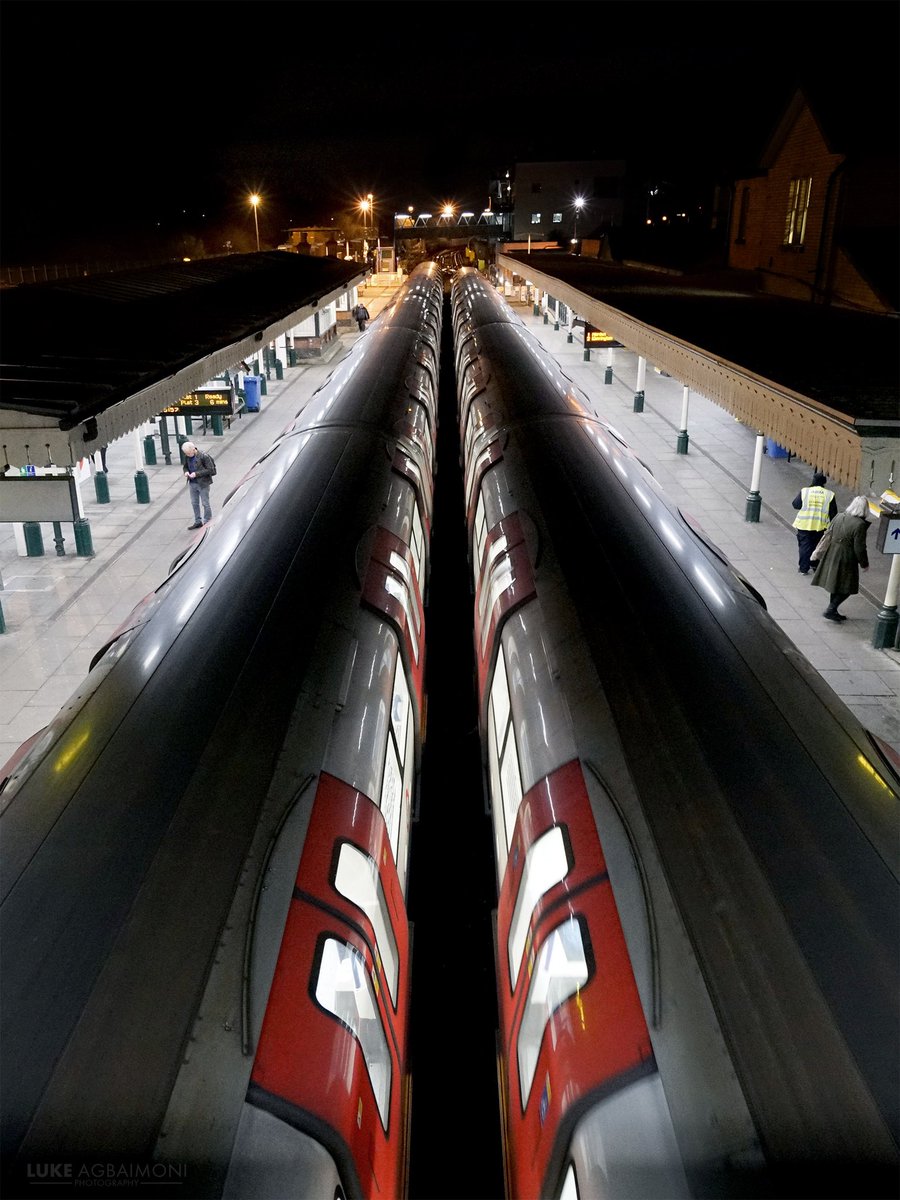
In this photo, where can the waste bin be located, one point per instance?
(251, 391)
(775, 451)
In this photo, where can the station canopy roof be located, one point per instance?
(84, 361)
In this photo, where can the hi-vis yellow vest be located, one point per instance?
(814, 513)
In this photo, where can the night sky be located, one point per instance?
(126, 127)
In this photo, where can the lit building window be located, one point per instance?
(535, 218)
(797, 208)
(557, 218)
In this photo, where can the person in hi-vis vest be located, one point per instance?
(818, 507)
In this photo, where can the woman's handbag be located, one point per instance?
(821, 546)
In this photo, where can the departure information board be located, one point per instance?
(597, 337)
(203, 402)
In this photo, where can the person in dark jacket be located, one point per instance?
(838, 569)
(198, 470)
(361, 313)
(818, 508)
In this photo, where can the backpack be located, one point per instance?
(210, 462)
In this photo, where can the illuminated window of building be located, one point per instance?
(557, 218)
(535, 218)
(797, 208)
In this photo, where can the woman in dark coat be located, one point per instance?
(838, 569)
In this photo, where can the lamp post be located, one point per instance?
(254, 204)
(366, 207)
(579, 205)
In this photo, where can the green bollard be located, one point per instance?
(292, 357)
(150, 450)
(569, 336)
(34, 539)
(638, 402)
(141, 487)
(217, 426)
(587, 354)
(607, 375)
(886, 625)
(263, 391)
(58, 540)
(754, 504)
(279, 369)
(537, 310)
(546, 319)
(101, 488)
(681, 442)
(84, 545)
(164, 441)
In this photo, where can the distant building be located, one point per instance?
(318, 241)
(819, 221)
(545, 195)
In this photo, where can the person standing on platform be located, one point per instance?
(818, 508)
(838, 569)
(361, 314)
(199, 469)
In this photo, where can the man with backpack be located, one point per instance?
(199, 469)
(361, 313)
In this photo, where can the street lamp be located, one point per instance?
(366, 206)
(579, 205)
(254, 204)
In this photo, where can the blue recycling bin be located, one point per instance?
(774, 450)
(251, 391)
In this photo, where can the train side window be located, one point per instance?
(560, 971)
(497, 578)
(546, 863)
(477, 466)
(400, 565)
(344, 988)
(357, 878)
(400, 709)
(480, 534)
(391, 794)
(396, 783)
(398, 589)
(417, 546)
(570, 1185)
(503, 763)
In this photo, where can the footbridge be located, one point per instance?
(453, 225)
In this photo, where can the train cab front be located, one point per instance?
(326, 1110)
(583, 1105)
